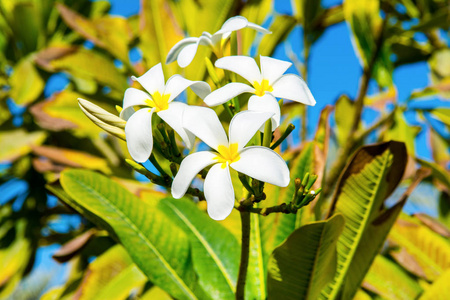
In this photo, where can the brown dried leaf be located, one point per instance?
(72, 158)
(433, 224)
(74, 246)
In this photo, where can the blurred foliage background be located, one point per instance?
(52, 52)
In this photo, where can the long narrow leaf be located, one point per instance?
(306, 262)
(158, 247)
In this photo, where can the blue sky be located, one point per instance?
(334, 68)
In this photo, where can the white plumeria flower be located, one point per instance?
(261, 163)
(184, 51)
(138, 129)
(265, 85)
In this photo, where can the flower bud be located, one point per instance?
(101, 114)
(116, 131)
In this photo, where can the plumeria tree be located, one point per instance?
(235, 197)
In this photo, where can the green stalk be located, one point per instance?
(157, 166)
(267, 133)
(245, 252)
(288, 131)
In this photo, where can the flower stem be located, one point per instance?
(288, 131)
(267, 133)
(245, 251)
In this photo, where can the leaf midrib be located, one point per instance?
(205, 244)
(360, 231)
(169, 269)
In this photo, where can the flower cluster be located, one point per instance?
(266, 84)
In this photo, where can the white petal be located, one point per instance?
(244, 125)
(173, 53)
(266, 103)
(127, 113)
(206, 35)
(138, 132)
(216, 39)
(173, 116)
(226, 93)
(272, 69)
(233, 24)
(204, 123)
(189, 168)
(292, 87)
(263, 164)
(237, 23)
(131, 98)
(177, 84)
(242, 65)
(258, 28)
(152, 80)
(187, 55)
(219, 192)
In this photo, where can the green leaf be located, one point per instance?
(155, 244)
(306, 11)
(419, 249)
(26, 83)
(370, 177)
(281, 27)
(155, 293)
(277, 227)
(25, 23)
(407, 50)
(14, 256)
(158, 32)
(440, 147)
(306, 262)
(437, 171)
(112, 275)
(363, 17)
(390, 281)
(108, 32)
(62, 112)
(215, 251)
(256, 12)
(402, 131)
(442, 114)
(439, 63)
(438, 19)
(73, 158)
(21, 146)
(257, 266)
(439, 289)
(82, 63)
(344, 109)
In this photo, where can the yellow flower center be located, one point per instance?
(228, 154)
(262, 88)
(160, 102)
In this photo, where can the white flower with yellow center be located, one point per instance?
(184, 51)
(138, 129)
(265, 85)
(258, 162)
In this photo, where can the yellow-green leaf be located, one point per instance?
(306, 262)
(16, 143)
(61, 112)
(370, 177)
(157, 246)
(420, 250)
(26, 83)
(73, 158)
(390, 281)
